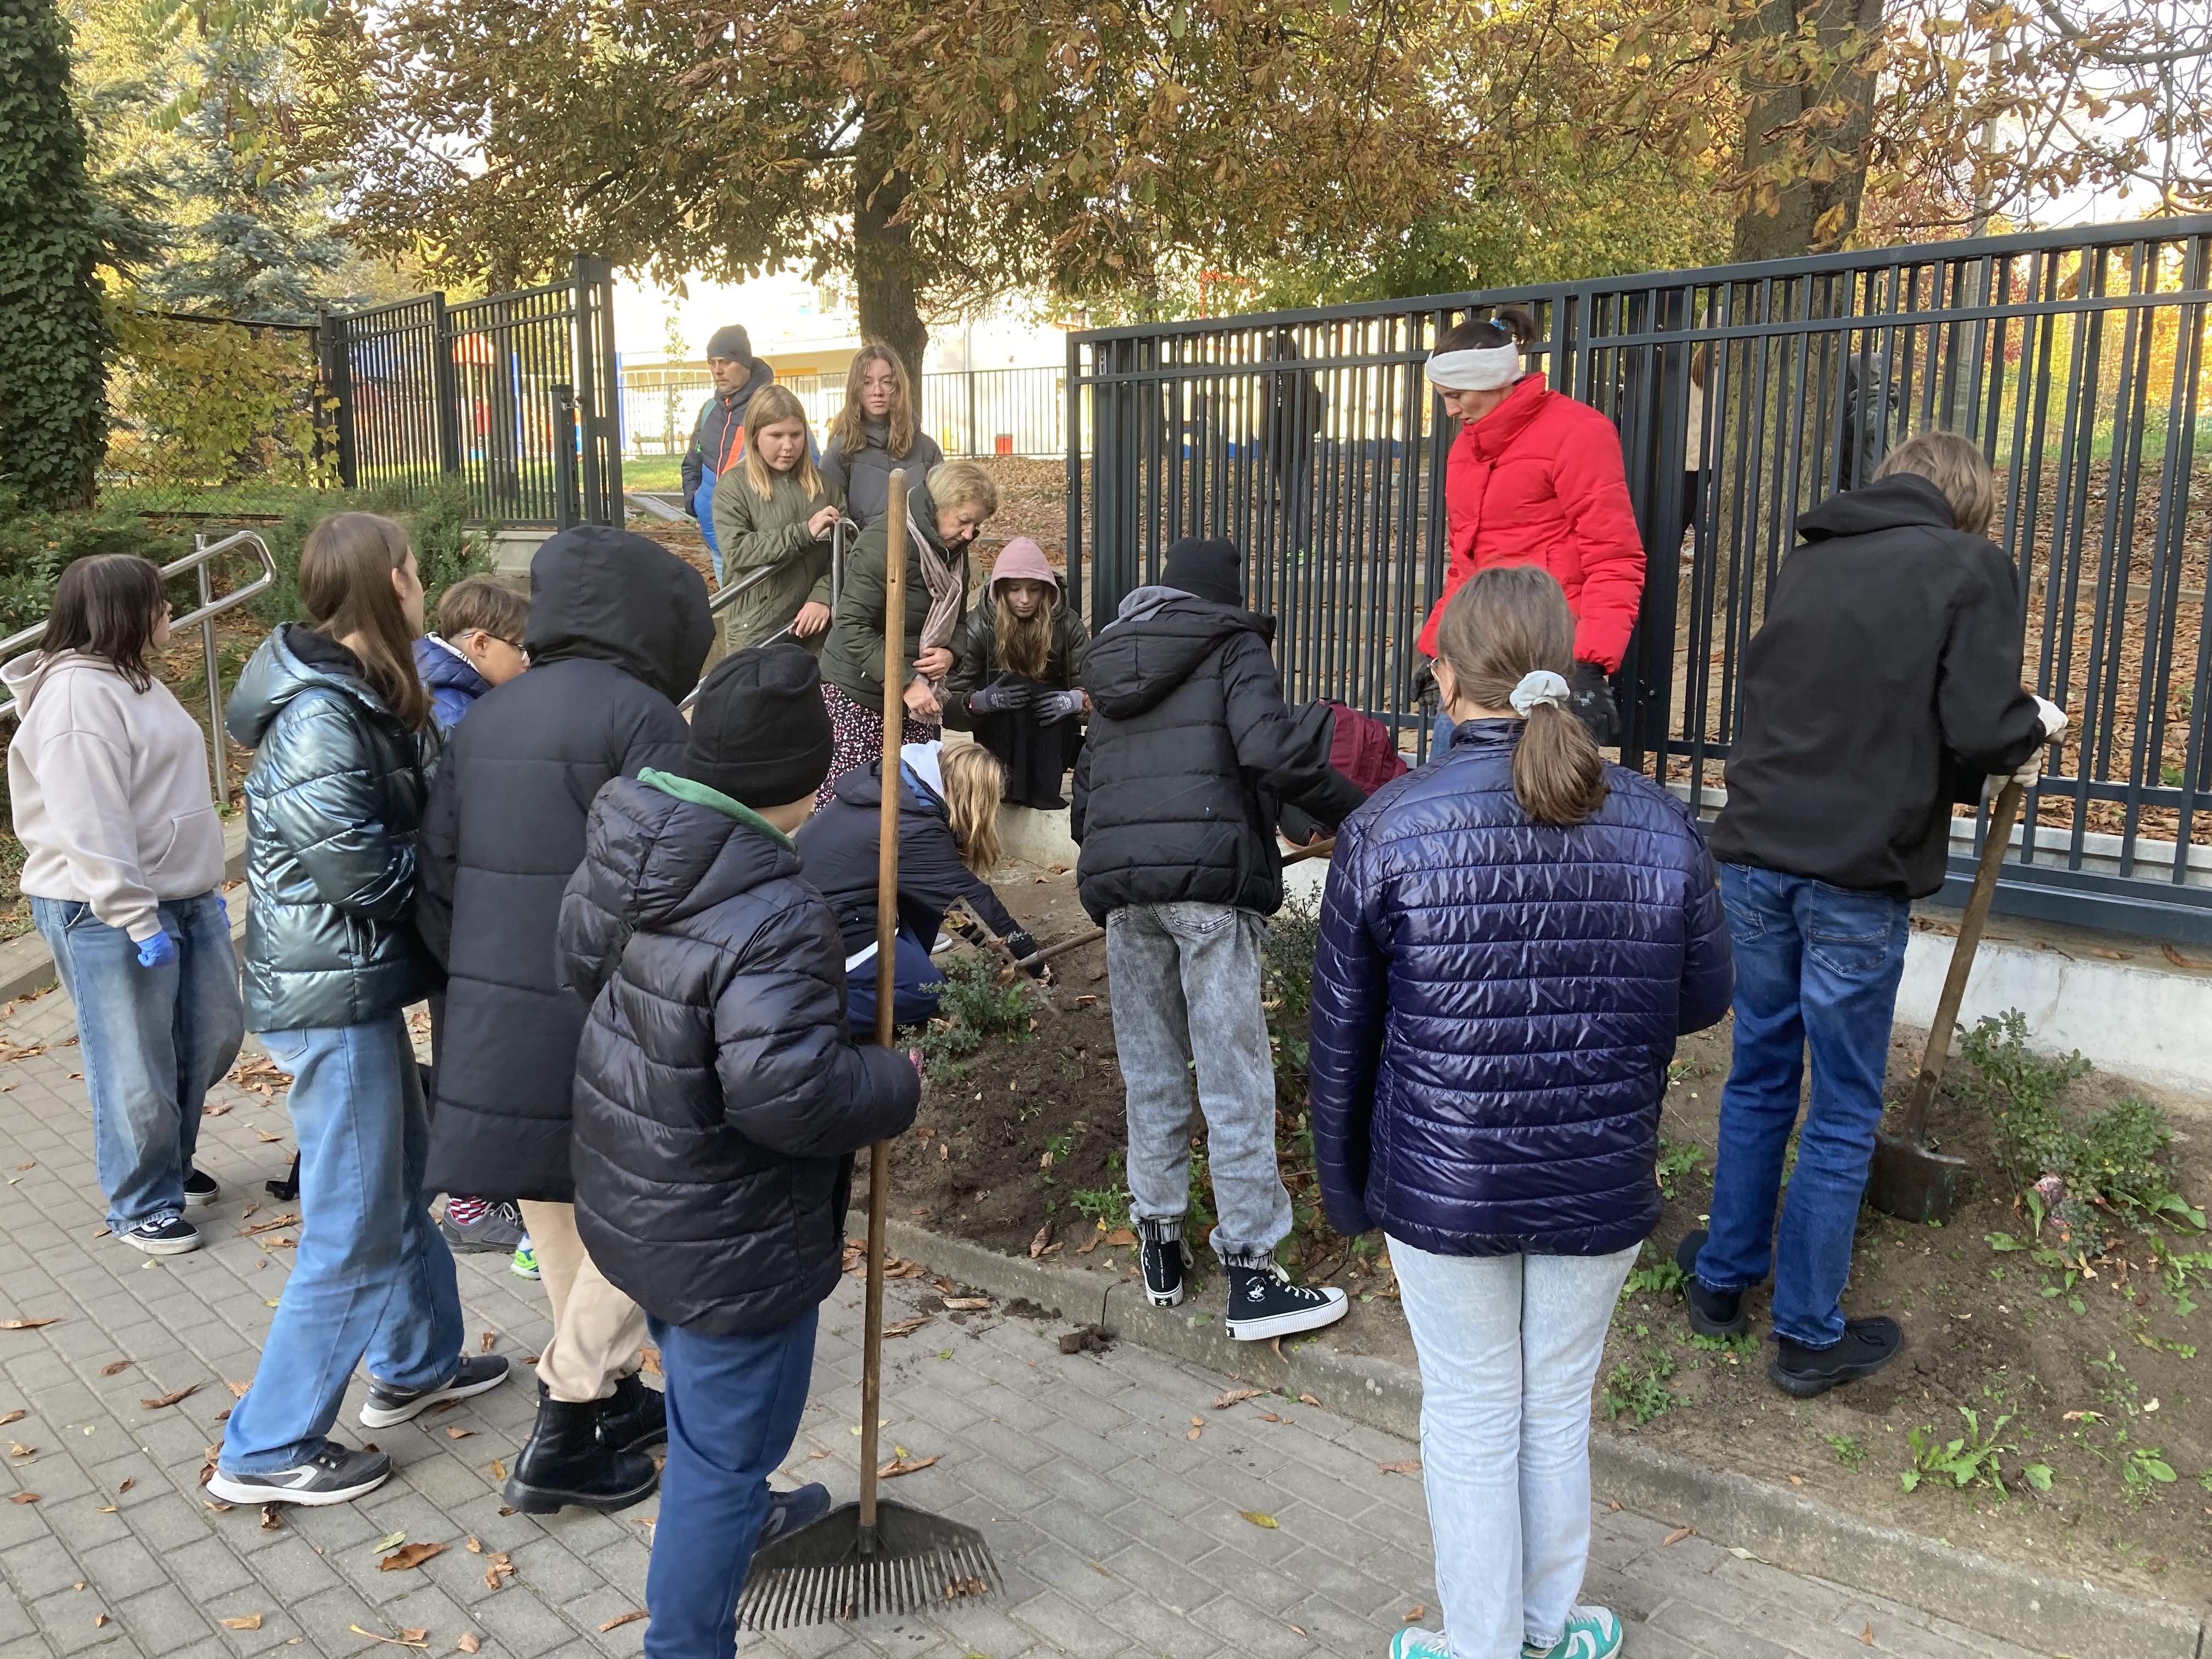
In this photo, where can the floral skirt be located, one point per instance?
(859, 733)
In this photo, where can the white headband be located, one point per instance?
(1539, 689)
(1475, 371)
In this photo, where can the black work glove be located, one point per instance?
(1590, 696)
(1022, 944)
(1426, 696)
(1005, 696)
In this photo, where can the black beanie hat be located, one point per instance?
(1205, 568)
(732, 342)
(759, 731)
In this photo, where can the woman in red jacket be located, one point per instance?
(1536, 477)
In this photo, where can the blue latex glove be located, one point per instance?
(158, 951)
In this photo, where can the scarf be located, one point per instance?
(943, 573)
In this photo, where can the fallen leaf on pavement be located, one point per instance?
(1308, 1399)
(251, 1621)
(1420, 1607)
(25, 1324)
(1235, 1395)
(129, 1481)
(1269, 1417)
(11, 1417)
(237, 1391)
(488, 1339)
(474, 1545)
(17, 1449)
(24, 1498)
(272, 1517)
(907, 1465)
(1403, 1465)
(1866, 1636)
(266, 1136)
(1612, 1504)
(158, 1402)
(498, 1470)
(414, 1555)
(1677, 1535)
(1043, 1237)
(113, 1366)
(390, 1540)
(620, 1620)
(406, 1638)
(101, 1618)
(1260, 1520)
(1198, 1422)
(290, 1220)
(908, 1327)
(498, 1570)
(106, 1509)
(1100, 1571)
(469, 1641)
(1301, 1629)
(966, 1303)
(1193, 1434)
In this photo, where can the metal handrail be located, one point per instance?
(725, 596)
(203, 554)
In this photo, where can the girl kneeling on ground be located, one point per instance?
(774, 513)
(1017, 657)
(1512, 939)
(341, 731)
(948, 845)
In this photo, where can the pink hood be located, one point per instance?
(1023, 560)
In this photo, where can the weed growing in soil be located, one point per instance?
(1287, 993)
(1676, 1160)
(1973, 1459)
(1847, 1450)
(1641, 1394)
(1104, 1205)
(972, 1008)
(1660, 1278)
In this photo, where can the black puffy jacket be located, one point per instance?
(719, 1095)
(1191, 755)
(618, 627)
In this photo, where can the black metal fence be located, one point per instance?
(517, 394)
(1743, 396)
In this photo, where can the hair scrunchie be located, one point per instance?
(1539, 689)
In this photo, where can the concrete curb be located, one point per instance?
(2066, 1617)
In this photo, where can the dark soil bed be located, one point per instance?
(2095, 1364)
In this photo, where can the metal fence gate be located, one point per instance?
(1744, 396)
(517, 394)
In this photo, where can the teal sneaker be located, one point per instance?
(1420, 1644)
(1591, 1633)
(525, 1265)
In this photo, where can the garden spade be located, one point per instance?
(869, 1558)
(1911, 1181)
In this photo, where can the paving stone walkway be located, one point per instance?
(1118, 1530)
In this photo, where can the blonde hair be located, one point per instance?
(1024, 643)
(1954, 465)
(771, 406)
(345, 586)
(1504, 623)
(850, 430)
(962, 483)
(973, 781)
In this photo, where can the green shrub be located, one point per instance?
(972, 1008)
(1287, 990)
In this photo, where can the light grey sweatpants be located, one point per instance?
(1181, 971)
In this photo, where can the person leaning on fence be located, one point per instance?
(1536, 478)
(774, 513)
(1017, 672)
(876, 433)
(1883, 686)
(943, 514)
(1191, 752)
(342, 742)
(107, 778)
(718, 438)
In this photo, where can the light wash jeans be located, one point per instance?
(372, 1275)
(1510, 1347)
(155, 1040)
(1180, 970)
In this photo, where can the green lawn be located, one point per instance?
(654, 472)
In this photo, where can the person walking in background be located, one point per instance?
(618, 627)
(718, 437)
(1512, 939)
(1191, 753)
(1017, 663)
(876, 433)
(341, 731)
(108, 780)
(942, 517)
(948, 845)
(774, 513)
(1883, 686)
(1536, 478)
(719, 1099)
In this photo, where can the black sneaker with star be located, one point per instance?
(1263, 1303)
(1163, 1265)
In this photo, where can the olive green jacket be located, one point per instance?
(853, 658)
(770, 536)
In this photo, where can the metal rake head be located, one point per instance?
(827, 1572)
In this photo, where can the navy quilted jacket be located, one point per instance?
(1494, 1004)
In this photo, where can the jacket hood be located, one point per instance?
(616, 597)
(440, 664)
(863, 788)
(661, 856)
(1162, 638)
(1022, 560)
(26, 676)
(1900, 502)
(293, 659)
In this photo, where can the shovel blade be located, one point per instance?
(828, 1571)
(1911, 1182)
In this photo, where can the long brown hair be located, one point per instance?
(105, 607)
(345, 583)
(771, 406)
(973, 781)
(1024, 643)
(1504, 623)
(850, 430)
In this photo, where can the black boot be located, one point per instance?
(634, 1418)
(565, 1462)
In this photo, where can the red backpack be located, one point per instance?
(1364, 750)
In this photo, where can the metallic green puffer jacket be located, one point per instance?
(333, 805)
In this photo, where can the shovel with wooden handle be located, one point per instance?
(1911, 1180)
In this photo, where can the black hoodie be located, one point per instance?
(618, 629)
(1883, 686)
(1191, 753)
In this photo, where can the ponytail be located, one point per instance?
(1509, 639)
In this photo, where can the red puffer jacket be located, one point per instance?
(1539, 481)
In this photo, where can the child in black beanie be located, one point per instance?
(720, 1097)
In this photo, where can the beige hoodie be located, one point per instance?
(110, 789)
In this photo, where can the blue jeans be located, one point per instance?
(155, 1040)
(372, 1275)
(733, 1409)
(1817, 966)
(914, 983)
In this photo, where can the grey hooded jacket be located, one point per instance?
(333, 807)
